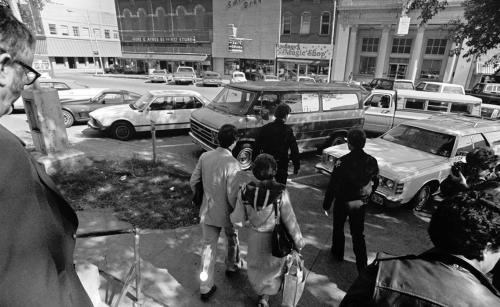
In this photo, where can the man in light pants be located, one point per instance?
(216, 170)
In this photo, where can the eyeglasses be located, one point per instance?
(30, 73)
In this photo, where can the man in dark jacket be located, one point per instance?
(277, 139)
(353, 179)
(37, 225)
(465, 232)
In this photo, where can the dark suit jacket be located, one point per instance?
(36, 234)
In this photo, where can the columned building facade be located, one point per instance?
(368, 44)
(160, 34)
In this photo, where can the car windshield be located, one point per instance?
(436, 143)
(184, 69)
(212, 75)
(141, 103)
(239, 75)
(453, 90)
(233, 101)
(403, 86)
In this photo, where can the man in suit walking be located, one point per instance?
(37, 225)
(216, 170)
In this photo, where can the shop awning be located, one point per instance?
(167, 57)
(62, 47)
(296, 61)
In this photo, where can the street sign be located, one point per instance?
(235, 45)
(403, 25)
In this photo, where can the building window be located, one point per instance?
(52, 29)
(367, 65)
(97, 33)
(76, 31)
(59, 60)
(286, 25)
(436, 46)
(369, 44)
(115, 34)
(85, 32)
(107, 34)
(431, 69)
(305, 23)
(64, 30)
(325, 24)
(401, 45)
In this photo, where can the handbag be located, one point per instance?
(281, 241)
(294, 280)
(198, 194)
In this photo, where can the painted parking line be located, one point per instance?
(176, 145)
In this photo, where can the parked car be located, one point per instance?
(385, 109)
(416, 156)
(58, 84)
(184, 74)
(488, 92)
(211, 78)
(440, 87)
(389, 84)
(168, 109)
(321, 114)
(159, 75)
(238, 77)
(271, 78)
(305, 79)
(77, 109)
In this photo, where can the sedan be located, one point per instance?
(159, 75)
(166, 109)
(211, 78)
(238, 77)
(77, 108)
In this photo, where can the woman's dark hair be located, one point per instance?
(264, 167)
(356, 138)
(464, 225)
(227, 135)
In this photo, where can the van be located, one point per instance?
(321, 114)
(382, 112)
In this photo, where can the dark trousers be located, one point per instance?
(282, 171)
(496, 276)
(341, 210)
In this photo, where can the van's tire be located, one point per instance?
(334, 139)
(421, 199)
(243, 153)
(68, 118)
(122, 131)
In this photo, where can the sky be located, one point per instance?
(91, 5)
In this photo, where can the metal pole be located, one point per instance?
(334, 20)
(279, 40)
(137, 262)
(153, 137)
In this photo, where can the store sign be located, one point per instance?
(244, 4)
(235, 45)
(304, 51)
(164, 39)
(403, 25)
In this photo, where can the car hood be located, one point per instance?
(111, 111)
(215, 120)
(395, 161)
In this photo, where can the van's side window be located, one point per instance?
(269, 102)
(300, 103)
(478, 141)
(459, 108)
(493, 137)
(380, 101)
(412, 103)
(438, 106)
(464, 144)
(332, 101)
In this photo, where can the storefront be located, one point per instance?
(310, 60)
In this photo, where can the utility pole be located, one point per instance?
(332, 43)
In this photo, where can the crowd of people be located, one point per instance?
(39, 226)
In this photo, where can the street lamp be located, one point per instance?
(91, 32)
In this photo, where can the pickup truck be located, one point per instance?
(488, 92)
(184, 74)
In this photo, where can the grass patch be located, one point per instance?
(145, 194)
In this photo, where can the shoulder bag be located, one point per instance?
(281, 241)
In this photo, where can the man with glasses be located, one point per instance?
(37, 225)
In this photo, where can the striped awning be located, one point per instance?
(167, 57)
(62, 47)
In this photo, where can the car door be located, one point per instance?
(106, 99)
(159, 111)
(379, 112)
(183, 106)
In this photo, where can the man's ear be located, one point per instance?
(5, 58)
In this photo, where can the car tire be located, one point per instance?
(122, 131)
(422, 197)
(243, 153)
(68, 118)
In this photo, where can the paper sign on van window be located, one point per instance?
(310, 102)
(339, 101)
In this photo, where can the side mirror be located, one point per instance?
(103, 101)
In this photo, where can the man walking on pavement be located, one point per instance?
(277, 139)
(216, 170)
(353, 179)
(37, 225)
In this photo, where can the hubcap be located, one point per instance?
(66, 118)
(423, 196)
(122, 131)
(245, 157)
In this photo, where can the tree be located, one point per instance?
(479, 27)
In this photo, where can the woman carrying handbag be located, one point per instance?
(255, 210)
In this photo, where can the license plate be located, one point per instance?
(377, 199)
